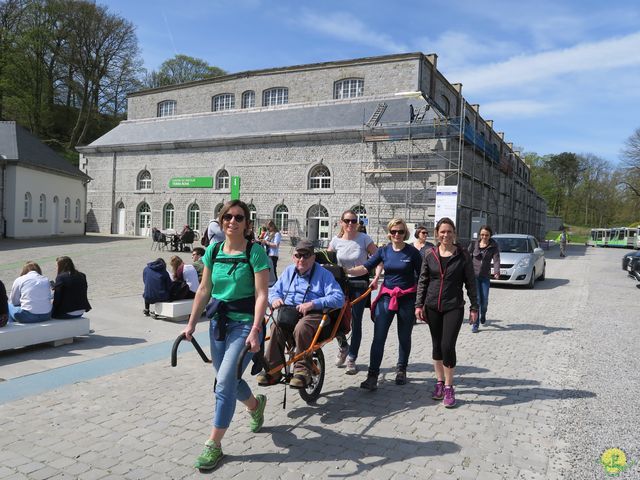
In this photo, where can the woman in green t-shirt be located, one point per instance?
(237, 288)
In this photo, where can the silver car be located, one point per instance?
(522, 260)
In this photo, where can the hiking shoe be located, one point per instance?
(351, 367)
(371, 383)
(145, 312)
(300, 380)
(257, 416)
(401, 376)
(475, 328)
(341, 356)
(483, 320)
(210, 456)
(449, 397)
(266, 380)
(438, 391)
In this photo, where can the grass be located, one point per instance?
(576, 234)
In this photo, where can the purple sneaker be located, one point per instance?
(449, 397)
(438, 391)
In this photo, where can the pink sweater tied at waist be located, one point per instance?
(394, 293)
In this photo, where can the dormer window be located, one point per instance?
(225, 101)
(275, 96)
(167, 108)
(348, 88)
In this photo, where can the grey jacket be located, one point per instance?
(483, 257)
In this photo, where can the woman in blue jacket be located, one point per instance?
(157, 283)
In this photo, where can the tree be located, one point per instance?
(181, 69)
(631, 163)
(565, 168)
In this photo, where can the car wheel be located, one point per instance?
(532, 281)
(544, 273)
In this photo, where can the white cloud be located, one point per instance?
(522, 70)
(516, 108)
(345, 26)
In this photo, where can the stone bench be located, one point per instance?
(174, 311)
(56, 332)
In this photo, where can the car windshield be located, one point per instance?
(513, 245)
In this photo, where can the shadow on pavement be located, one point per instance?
(494, 325)
(514, 396)
(547, 284)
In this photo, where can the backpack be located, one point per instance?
(235, 261)
(204, 239)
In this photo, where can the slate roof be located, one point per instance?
(262, 123)
(19, 146)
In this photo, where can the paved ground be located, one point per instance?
(543, 390)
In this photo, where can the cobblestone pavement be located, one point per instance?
(532, 402)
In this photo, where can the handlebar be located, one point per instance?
(196, 345)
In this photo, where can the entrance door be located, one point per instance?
(120, 219)
(54, 216)
(318, 227)
(144, 220)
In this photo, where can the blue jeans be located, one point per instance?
(224, 355)
(357, 311)
(17, 314)
(482, 285)
(383, 319)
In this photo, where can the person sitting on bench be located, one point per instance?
(305, 289)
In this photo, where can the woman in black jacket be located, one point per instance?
(440, 302)
(485, 252)
(69, 291)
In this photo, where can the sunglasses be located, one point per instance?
(422, 232)
(352, 221)
(227, 217)
(397, 232)
(302, 255)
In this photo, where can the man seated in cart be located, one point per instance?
(301, 294)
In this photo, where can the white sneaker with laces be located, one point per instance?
(341, 356)
(351, 367)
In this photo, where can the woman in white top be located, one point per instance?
(352, 249)
(272, 243)
(30, 299)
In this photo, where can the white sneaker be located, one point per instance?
(351, 367)
(341, 356)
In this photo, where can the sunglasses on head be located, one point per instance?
(227, 217)
(397, 232)
(353, 221)
(302, 255)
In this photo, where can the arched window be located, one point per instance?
(319, 178)
(43, 207)
(318, 223)
(281, 215)
(27, 206)
(167, 108)
(224, 101)
(144, 219)
(348, 88)
(222, 180)
(360, 212)
(168, 214)
(252, 212)
(216, 211)
(67, 208)
(193, 216)
(144, 180)
(78, 210)
(445, 104)
(275, 96)
(249, 99)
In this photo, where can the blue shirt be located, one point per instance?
(401, 269)
(318, 283)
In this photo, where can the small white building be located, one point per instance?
(41, 193)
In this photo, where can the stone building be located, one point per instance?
(41, 193)
(382, 135)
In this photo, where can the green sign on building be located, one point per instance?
(235, 188)
(191, 182)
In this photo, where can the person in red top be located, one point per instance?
(440, 303)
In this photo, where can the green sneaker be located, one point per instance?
(210, 456)
(257, 416)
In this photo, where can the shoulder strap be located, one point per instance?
(247, 259)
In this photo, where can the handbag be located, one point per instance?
(288, 317)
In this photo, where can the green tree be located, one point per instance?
(181, 69)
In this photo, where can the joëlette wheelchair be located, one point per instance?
(334, 322)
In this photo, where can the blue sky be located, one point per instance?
(553, 75)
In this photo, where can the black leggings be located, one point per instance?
(444, 327)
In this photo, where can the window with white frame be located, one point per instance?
(144, 180)
(320, 213)
(224, 101)
(360, 211)
(168, 217)
(348, 88)
(249, 99)
(167, 108)
(252, 212)
(319, 178)
(222, 180)
(43, 207)
(27, 206)
(281, 215)
(67, 208)
(78, 210)
(193, 216)
(275, 96)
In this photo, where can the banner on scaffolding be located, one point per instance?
(446, 202)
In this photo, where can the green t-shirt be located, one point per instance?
(240, 282)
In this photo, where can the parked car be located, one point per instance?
(522, 260)
(627, 257)
(633, 267)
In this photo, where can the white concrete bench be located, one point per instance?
(173, 311)
(56, 332)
